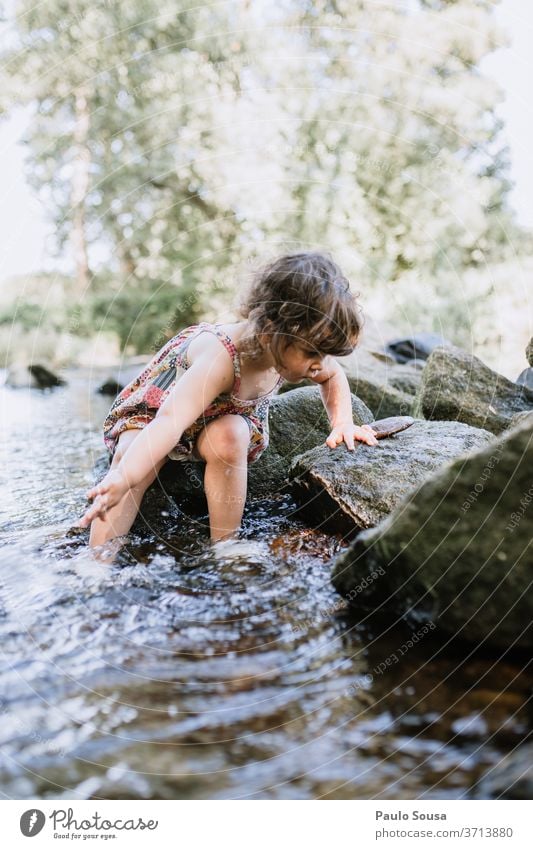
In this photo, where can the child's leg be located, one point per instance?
(223, 444)
(119, 519)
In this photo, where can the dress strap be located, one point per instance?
(230, 348)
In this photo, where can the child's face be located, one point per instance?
(297, 363)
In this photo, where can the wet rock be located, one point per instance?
(355, 490)
(115, 383)
(416, 348)
(525, 415)
(529, 352)
(457, 550)
(512, 778)
(110, 387)
(525, 378)
(34, 376)
(45, 378)
(458, 386)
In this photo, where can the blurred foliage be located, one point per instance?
(25, 315)
(206, 135)
(136, 316)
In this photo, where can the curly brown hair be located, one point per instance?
(301, 299)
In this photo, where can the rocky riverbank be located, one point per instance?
(443, 507)
(455, 547)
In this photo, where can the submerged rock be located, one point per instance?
(34, 376)
(458, 549)
(45, 378)
(129, 369)
(110, 387)
(458, 386)
(351, 490)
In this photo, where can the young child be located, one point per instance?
(205, 395)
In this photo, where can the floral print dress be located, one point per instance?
(137, 404)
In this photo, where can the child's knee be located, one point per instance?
(227, 439)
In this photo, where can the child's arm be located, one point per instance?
(210, 373)
(337, 399)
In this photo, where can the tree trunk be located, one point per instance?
(127, 263)
(80, 184)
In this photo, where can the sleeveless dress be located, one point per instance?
(137, 404)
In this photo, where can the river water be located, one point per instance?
(174, 675)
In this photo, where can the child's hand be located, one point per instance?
(349, 432)
(104, 495)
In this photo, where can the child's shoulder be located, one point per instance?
(213, 339)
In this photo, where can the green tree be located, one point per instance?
(125, 101)
(403, 156)
(174, 141)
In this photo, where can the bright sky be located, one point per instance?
(23, 223)
(512, 68)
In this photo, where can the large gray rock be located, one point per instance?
(458, 386)
(297, 421)
(525, 378)
(349, 490)
(388, 389)
(458, 550)
(529, 352)
(382, 397)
